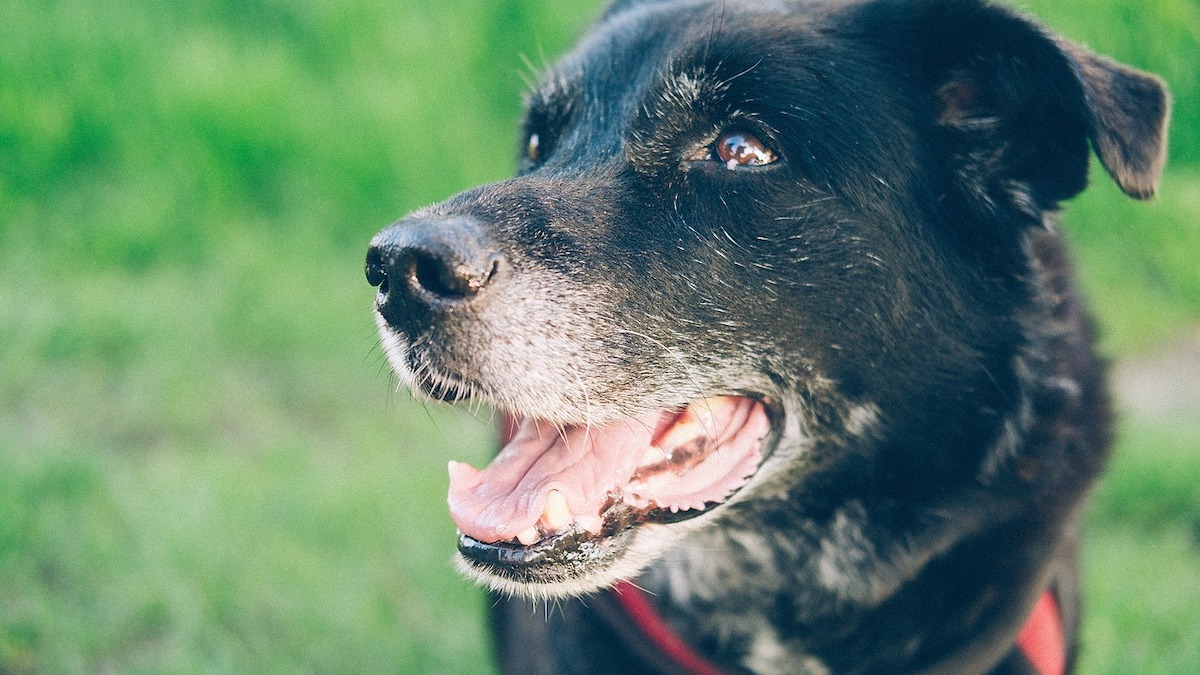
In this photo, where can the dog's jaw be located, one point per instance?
(608, 511)
(627, 564)
(599, 478)
(683, 558)
(643, 548)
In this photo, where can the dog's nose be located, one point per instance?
(430, 260)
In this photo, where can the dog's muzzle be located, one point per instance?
(562, 499)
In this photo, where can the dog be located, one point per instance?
(783, 339)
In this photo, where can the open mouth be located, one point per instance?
(556, 498)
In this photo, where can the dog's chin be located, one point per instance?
(554, 569)
(572, 564)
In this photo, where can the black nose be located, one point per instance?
(431, 260)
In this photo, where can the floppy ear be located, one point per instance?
(1017, 106)
(1129, 113)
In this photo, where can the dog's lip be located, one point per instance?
(618, 517)
(553, 548)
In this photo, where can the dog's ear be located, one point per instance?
(1016, 106)
(1129, 112)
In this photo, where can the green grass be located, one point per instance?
(204, 466)
(1142, 555)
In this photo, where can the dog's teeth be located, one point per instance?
(529, 537)
(699, 420)
(557, 514)
(680, 433)
(654, 455)
(705, 411)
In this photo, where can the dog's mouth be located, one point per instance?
(556, 500)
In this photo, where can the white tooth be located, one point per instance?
(654, 455)
(529, 537)
(557, 514)
(681, 432)
(706, 410)
(698, 421)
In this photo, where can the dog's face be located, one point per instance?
(746, 240)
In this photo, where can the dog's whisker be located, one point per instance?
(562, 432)
(641, 588)
(587, 405)
(531, 74)
(726, 82)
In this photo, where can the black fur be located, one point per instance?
(893, 285)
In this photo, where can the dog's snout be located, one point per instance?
(429, 260)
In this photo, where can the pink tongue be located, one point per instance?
(583, 463)
(593, 466)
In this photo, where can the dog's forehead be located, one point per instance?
(659, 45)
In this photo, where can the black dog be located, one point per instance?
(781, 330)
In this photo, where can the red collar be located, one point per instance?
(1041, 639)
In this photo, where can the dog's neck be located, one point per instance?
(778, 586)
(1041, 642)
(754, 601)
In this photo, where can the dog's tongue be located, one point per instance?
(674, 460)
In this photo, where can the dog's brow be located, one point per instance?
(686, 87)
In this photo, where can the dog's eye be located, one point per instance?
(531, 150)
(738, 148)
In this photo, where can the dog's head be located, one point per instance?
(746, 239)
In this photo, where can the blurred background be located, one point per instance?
(204, 463)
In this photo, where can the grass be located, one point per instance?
(204, 466)
(1142, 555)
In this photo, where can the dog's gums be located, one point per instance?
(597, 479)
